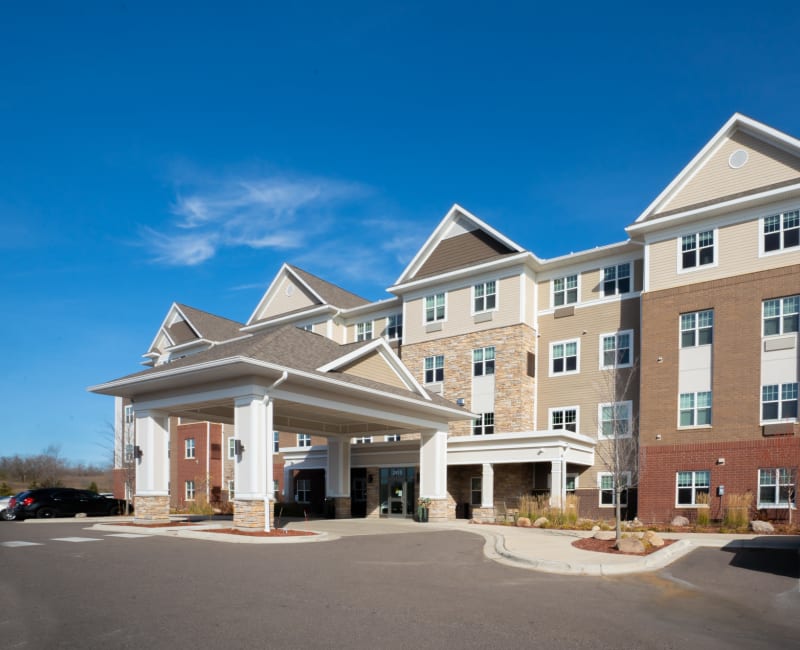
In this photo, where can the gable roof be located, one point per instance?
(713, 176)
(460, 240)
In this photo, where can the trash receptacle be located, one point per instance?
(330, 508)
(466, 511)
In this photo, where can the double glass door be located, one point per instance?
(397, 491)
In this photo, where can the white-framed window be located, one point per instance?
(362, 440)
(779, 402)
(616, 350)
(189, 448)
(130, 416)
(697, 328)
(483, 425)
(392, 437)
(475, 491)
(617, 279)
(303, 490)
(689, 485)
(303, 439)
(394, 327)
(615, 419)
(781, 231)
(776, 487)
(231, 490)
(434, 307)
(483, 361)
(276, 442)
(484, 296)
(364, 331)
(564, 356)
(189, 490)
(231, 447)
(781, 315)
(571, 483)
(605, 483)
(697, 249)
(695, 409)
(565, 418)
(565, 291)
(434, 369)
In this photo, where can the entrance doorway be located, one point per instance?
(358, 492)
(397, 491)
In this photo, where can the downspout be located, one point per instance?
(268, 488)
(208, 462)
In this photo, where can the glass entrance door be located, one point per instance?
(397, 491)
(397, 500)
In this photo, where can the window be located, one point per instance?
(189, 446)
(434, 308)
(617, 279)
(779, 402)
(695, 409)
(363, 440)
(364, 331)
(484, 296)
(276, 442)
(776, 487)
(782, 231)
(781, 315)
(484, 425)
(189, 491)
(303, 492)
(475, 491)
(697, 249)
(605, 482)
(231, 447)
(231, 491)
(434, 369)
(392, 437)
(618, 350)
(303, 439)
(129, 415)
(565, 291)
(691, 484)
(565, 418)
(615, 420)
(697, 328)
(565, 357)
(571, 483)
(483, 361)
(394, 327)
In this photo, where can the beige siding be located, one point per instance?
(737, 253)
(374, 367)
(459, 318)
(766, 165)
(283, 304)
(589, 387)
(591, 285)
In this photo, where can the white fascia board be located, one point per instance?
(296, 316)
(464, 272)
(187, 321)
(163, 328)
(590, 255)
(285, 270)
(435, 237)
(386, 303)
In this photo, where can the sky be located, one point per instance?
(153, 152)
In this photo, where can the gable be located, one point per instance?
(375, 368)
(180, 332)
(289, 295)
(462, 249)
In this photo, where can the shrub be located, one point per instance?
(703, 514)
(538, 505)
(737, 510)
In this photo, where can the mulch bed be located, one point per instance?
(274, 532)
(607, 546)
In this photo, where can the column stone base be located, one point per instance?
(148, 510)
(342, 505)
(438, 510)
(483, 514)
(249, 515)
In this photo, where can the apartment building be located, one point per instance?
(676, 348)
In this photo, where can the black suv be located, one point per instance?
(44, 503)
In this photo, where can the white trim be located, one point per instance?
(693, 487)
(553, 305)
(425, 308)
(496, 296)
(782, 250)
(554, 409)
(288, 318)
(695, 409)
(551, 373)
(600, 406)
(616, 336)
(268, 296)
(698, 267)
(600, 489)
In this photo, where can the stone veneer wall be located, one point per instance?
(514, 389)
(250, 514)
(373, 493)
(342, 506)
(150, 509)
(440, 510)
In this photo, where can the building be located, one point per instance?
(667, 362)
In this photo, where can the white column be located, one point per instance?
(433, 465)
(152, 468)
(270, 478)
(558, 483)
(487, 486)
(337, 476)
(252, 422)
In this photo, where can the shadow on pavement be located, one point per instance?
(776, 555)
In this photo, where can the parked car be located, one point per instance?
(44, 503)
(5, 509)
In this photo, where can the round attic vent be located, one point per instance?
(738, 159)
(289, 289)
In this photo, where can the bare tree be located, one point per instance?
(618, 433)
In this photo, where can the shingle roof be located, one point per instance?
(211, 327)
(330, 293)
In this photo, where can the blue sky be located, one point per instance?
(181, 151)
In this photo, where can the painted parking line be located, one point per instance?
(128, 535)
(15, 544)
(77, 539)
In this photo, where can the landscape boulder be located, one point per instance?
(679, 521)
(523, 522)
(762, 527)
(653, 538)
(541, 522)
(605, 535)
(630, 545)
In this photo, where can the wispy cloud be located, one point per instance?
(257, 212)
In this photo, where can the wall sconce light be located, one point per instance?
(720, 461)
(137, 452)
(658, 436)
(660, 359)
(460, 401)
(238, 447)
